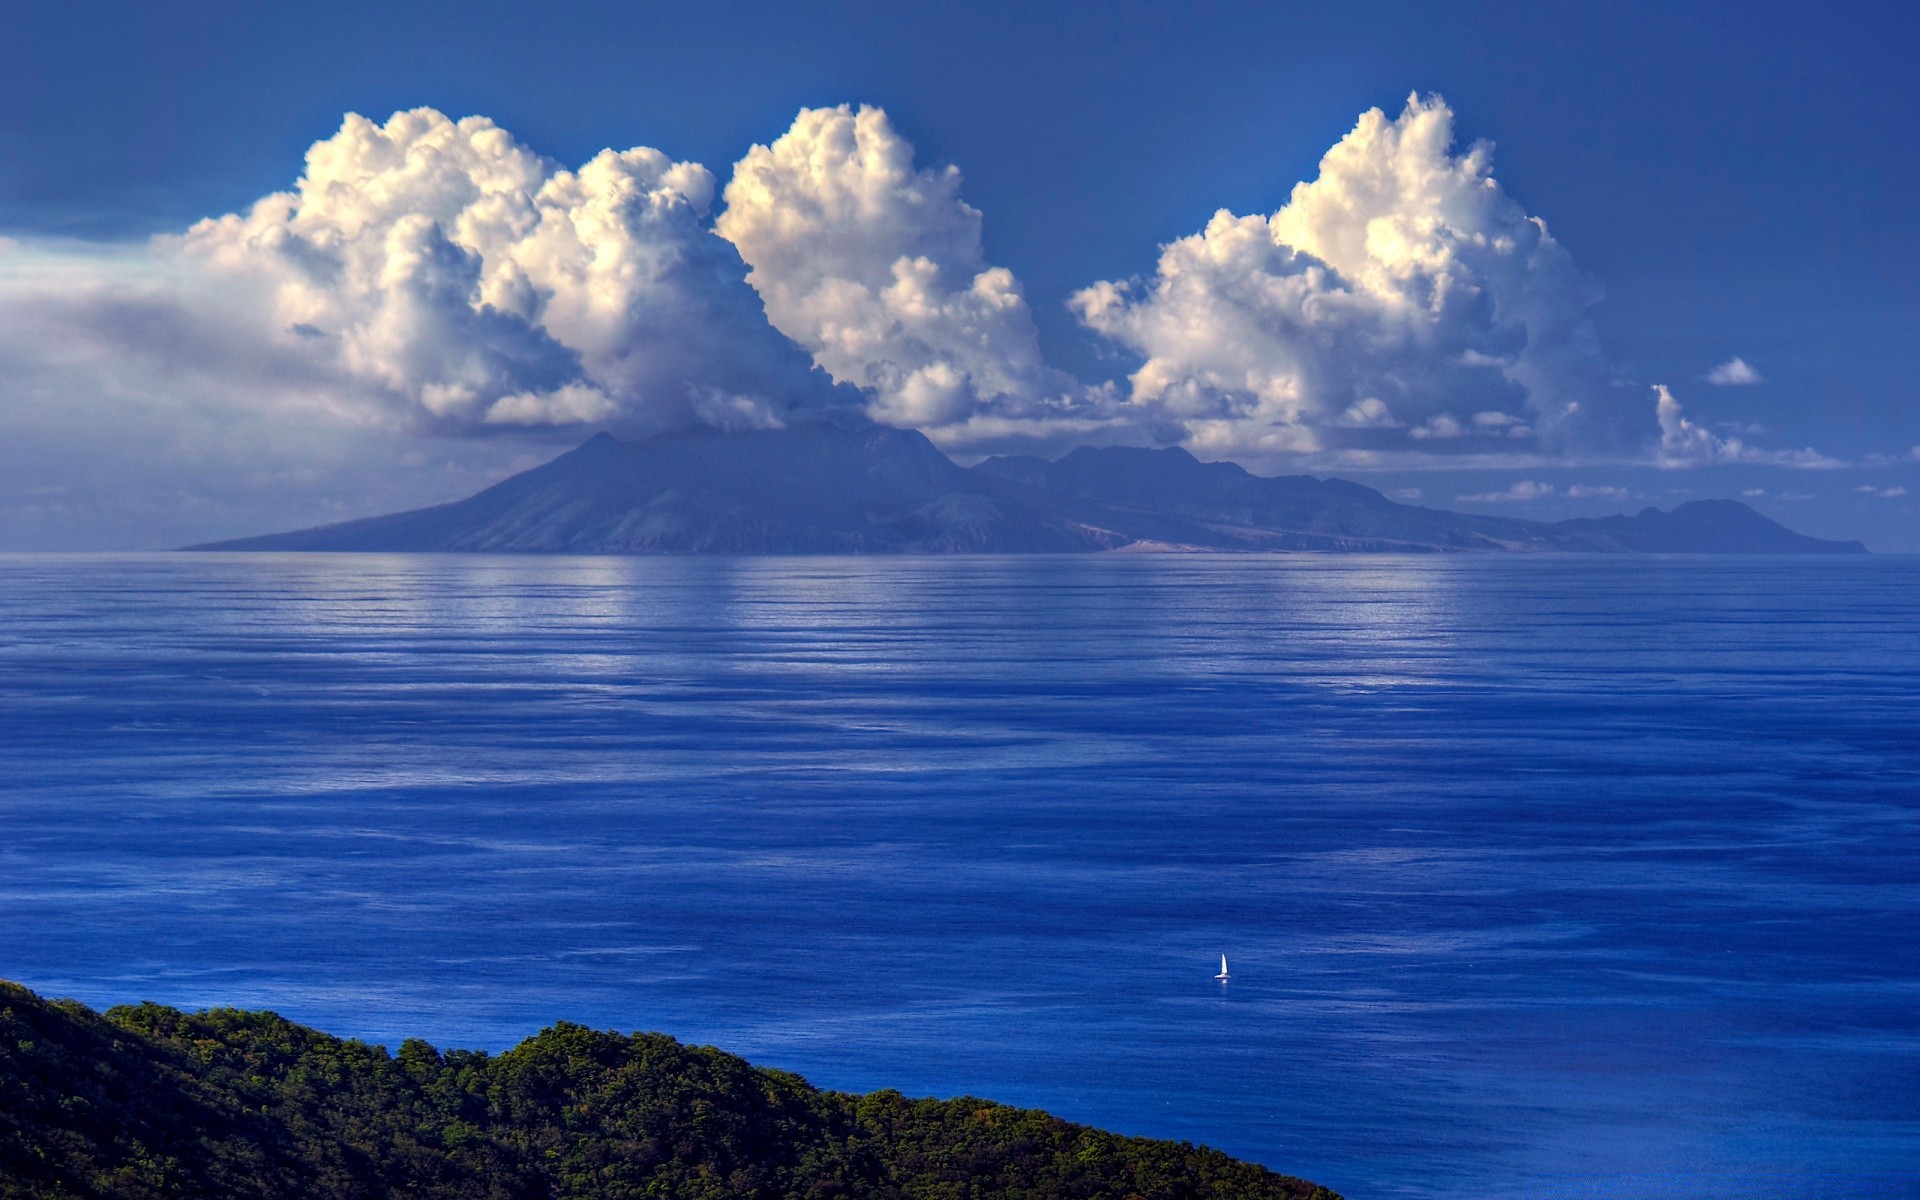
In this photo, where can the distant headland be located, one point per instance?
(150, 1101)
(822, 488)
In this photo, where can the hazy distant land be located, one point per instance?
(822, 488)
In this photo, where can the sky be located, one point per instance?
(266, 266)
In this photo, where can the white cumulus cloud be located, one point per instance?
(1684, 443)
(1735, 372)
(876, 266)
(454, 274)
(1403, 281)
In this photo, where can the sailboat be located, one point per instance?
(1222, 976)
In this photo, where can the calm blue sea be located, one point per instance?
(1538, 876)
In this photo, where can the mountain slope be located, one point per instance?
(815, 488)
(826, 489)
(154, 1103)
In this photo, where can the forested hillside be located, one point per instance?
(147, 1101)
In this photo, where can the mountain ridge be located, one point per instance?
(822, 488)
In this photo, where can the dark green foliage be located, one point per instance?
(149, 1102)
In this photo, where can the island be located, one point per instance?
(827, 488)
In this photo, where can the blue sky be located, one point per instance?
(1734, 180)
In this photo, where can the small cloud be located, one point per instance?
(1499, 423)
(1520, 493)
(1370, 413)
(1474, 358)
(1438, 428)
(1735, 372)
(1405, 493)
(1754, 493)
(1799, 496)
(574, 404)
(1886, 493)
(1685, 444)
(1588, 491)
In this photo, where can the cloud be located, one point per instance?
(430, 282)
(1523, 492)
(1684, 443)
(140, 407)
(1402, 280)
(1735, 372)
(876, 267)
(573, 404)
(1369, 412)
(459, 280)
(1587, 491)
(424, 276)
(1885, 493)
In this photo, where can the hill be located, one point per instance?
(151, 1102)
(822, 488)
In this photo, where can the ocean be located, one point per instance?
(1538, 876)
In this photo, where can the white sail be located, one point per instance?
(1223, 968)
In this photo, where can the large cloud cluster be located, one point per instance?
(333, 351)
(1401, 300)
(435, 277)
(452, 274)
(876, 267)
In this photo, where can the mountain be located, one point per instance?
(822, 488)
(1728, 526)
(1345, 515)
(1329, 514)
(154, 1103)
(816, 488)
